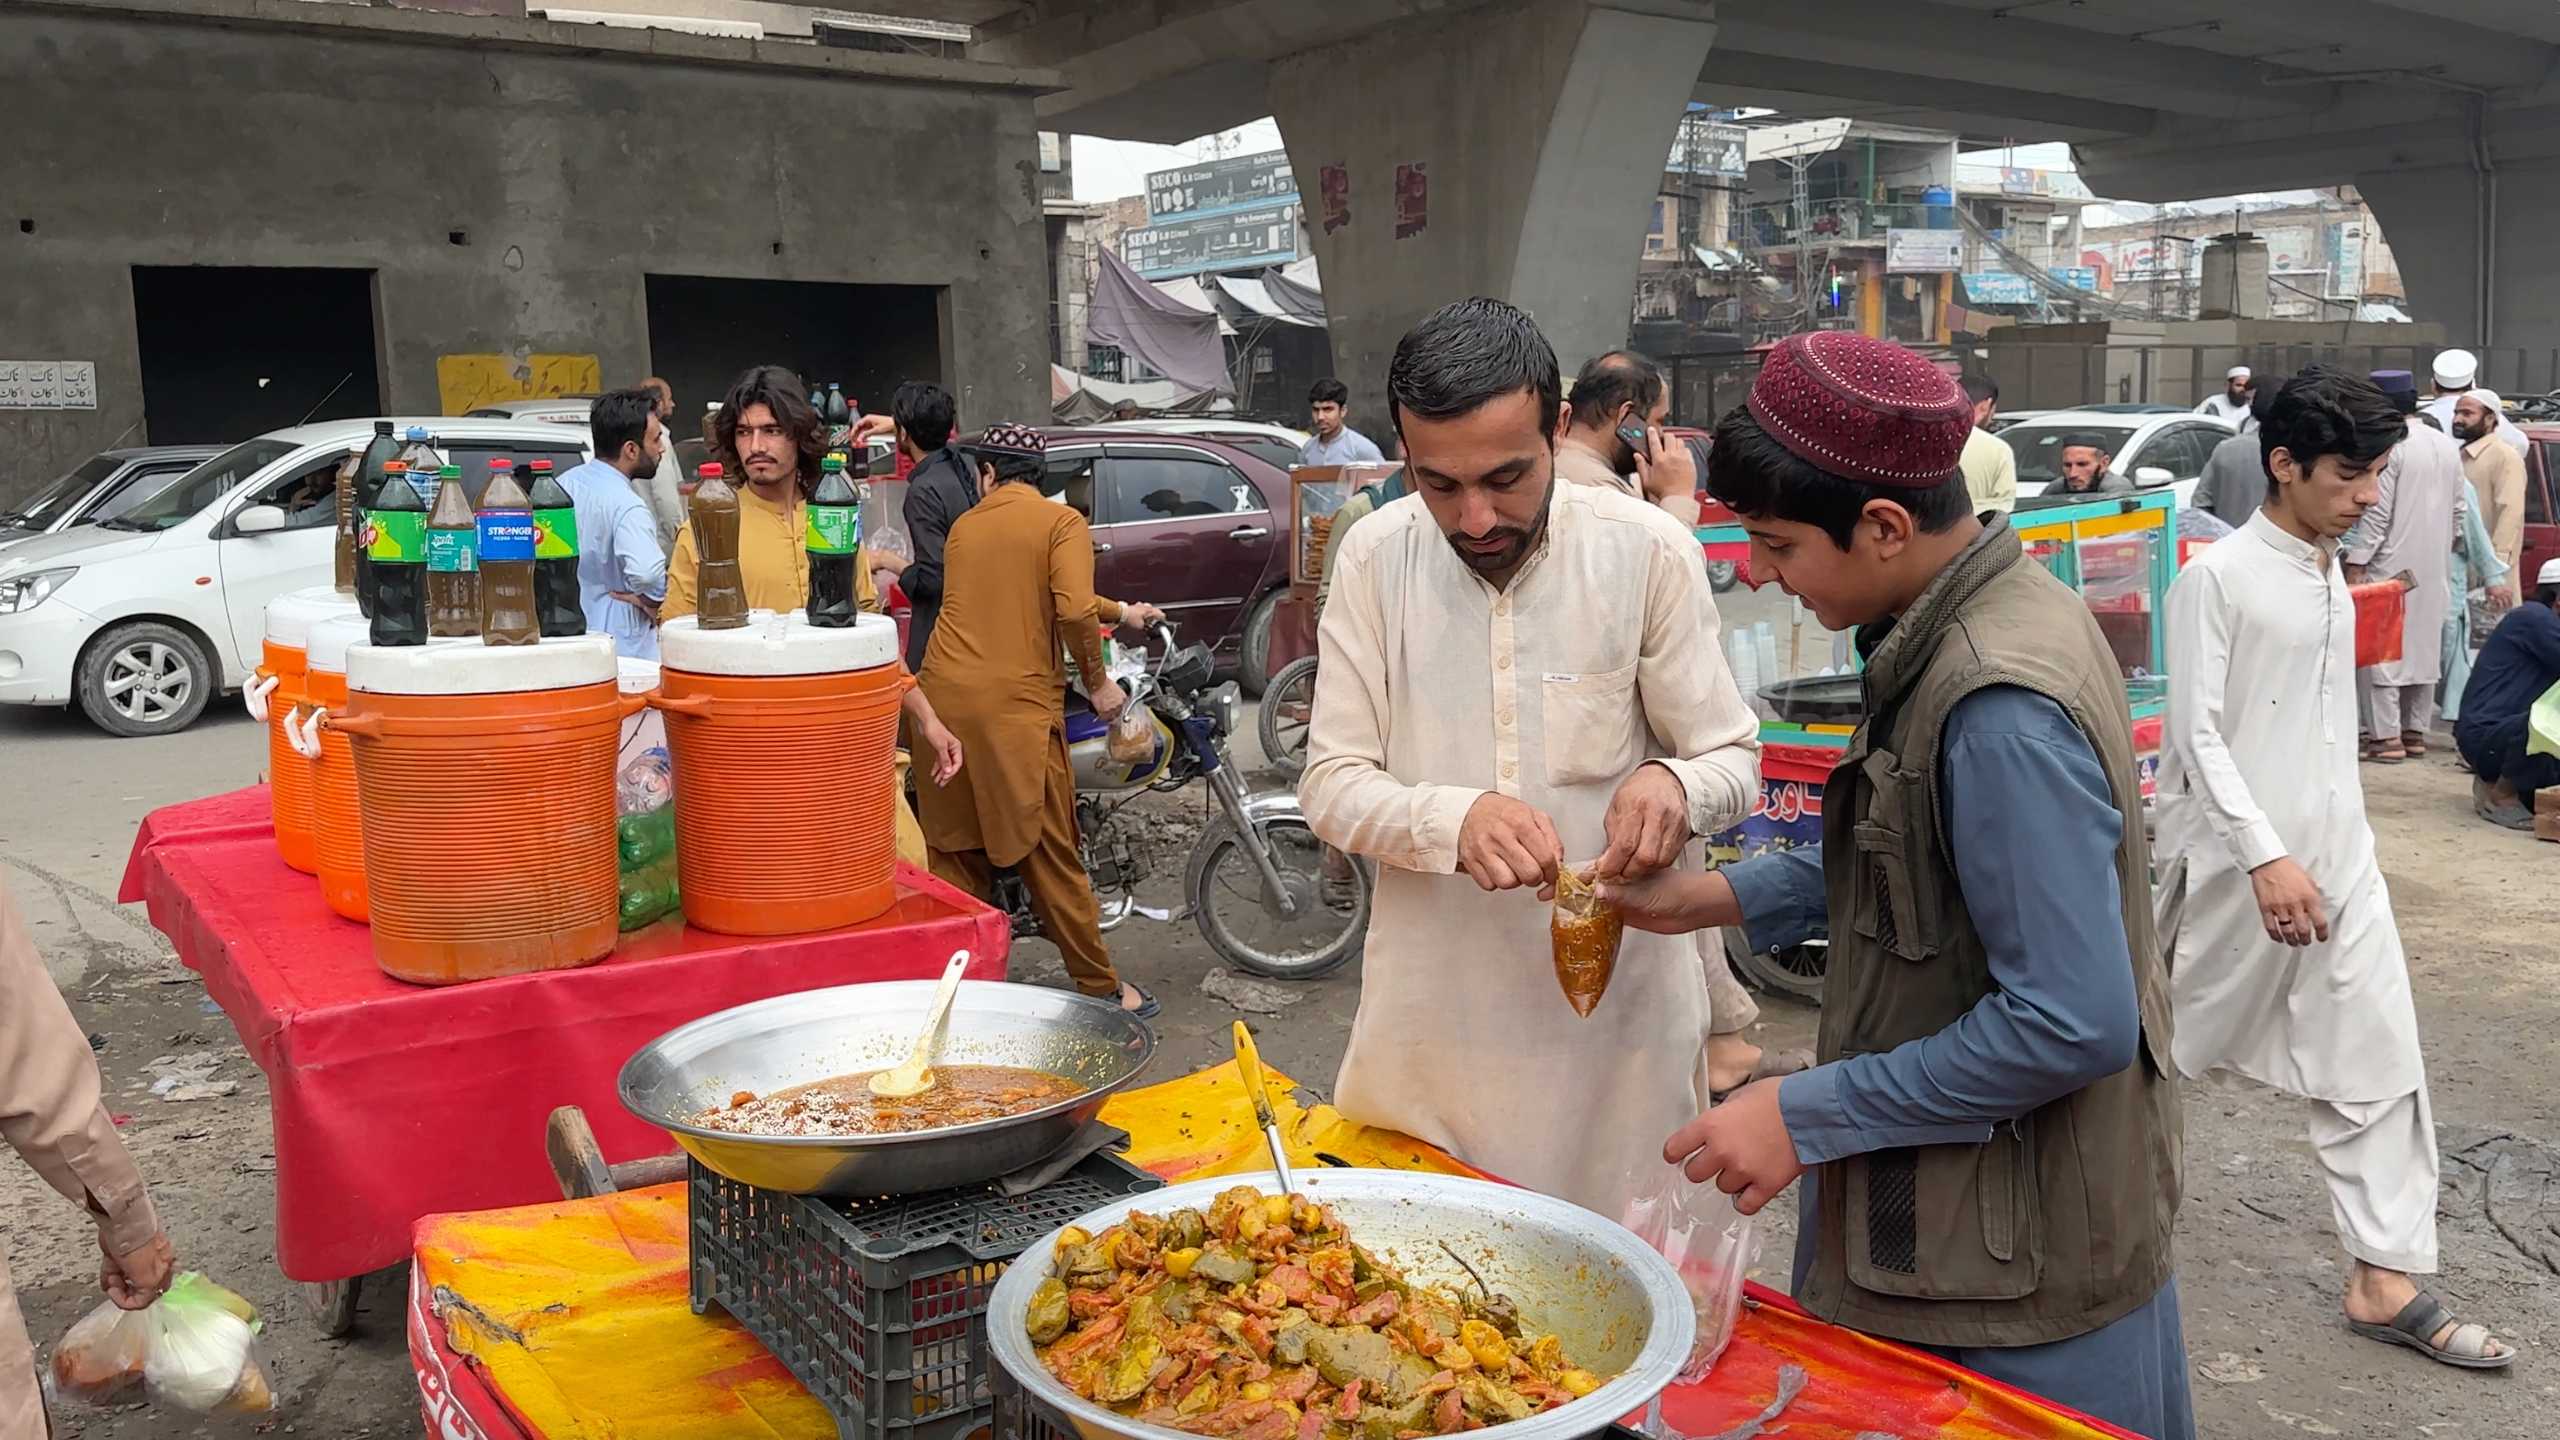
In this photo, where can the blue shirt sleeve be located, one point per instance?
(2038, 872)
(1365, 449)
(1782, 899)
(641, 559)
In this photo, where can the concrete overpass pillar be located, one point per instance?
(1538, 130)
(2434, 219)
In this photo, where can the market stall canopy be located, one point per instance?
(1256, 297)
(1077, 399)
(1176, 339)
(1188, 292)
(1294, 287)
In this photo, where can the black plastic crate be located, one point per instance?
(879, 1306)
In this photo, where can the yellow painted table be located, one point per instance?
(571, 1321)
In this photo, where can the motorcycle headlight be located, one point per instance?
(1227, 703)
(26, 592)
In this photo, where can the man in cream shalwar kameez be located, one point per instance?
(2412, 530)
(2259, 767)
(1599, 655)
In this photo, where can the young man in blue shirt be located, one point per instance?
(622, 569)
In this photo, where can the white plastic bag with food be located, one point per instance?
(1710, 1243)
(195, 1348)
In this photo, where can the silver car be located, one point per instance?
(101, 487)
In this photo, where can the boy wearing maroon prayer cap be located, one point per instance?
(1991, 1137)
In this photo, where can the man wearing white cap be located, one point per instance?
(2455, 370)
(2231, 407)
(2495, 472)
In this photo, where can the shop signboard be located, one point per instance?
(1235, 240)
(1930, 252)
(2078, 277)
(1998, 287)
(1236, 182)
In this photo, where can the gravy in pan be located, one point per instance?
(961, 1095)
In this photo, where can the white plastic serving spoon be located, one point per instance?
(914, 1075)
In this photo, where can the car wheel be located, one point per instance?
(145, 678)
(1253, 660)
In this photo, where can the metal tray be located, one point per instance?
(795, 1039)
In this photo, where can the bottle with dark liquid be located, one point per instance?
(506, 553)
(352, 500)
(720, 594)
(834, 542)
(836, 411)
(453, 563)
(395, 534)
(555, 555)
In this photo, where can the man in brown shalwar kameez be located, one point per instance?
(51, 1115)
(1017, 597)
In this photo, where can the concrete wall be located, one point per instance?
(575, 159)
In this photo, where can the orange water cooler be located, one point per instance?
(484, 784)
(275, 694)
(784, 738)
(337, 823)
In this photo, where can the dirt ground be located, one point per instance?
(2260, 1270)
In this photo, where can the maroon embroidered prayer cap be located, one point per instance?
(1862, 409)
(1020, 442)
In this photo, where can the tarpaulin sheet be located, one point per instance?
(570, 1321)
(1179, 341)
(1256, 298)
(393, 1101)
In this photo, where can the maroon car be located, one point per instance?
(1185, 522)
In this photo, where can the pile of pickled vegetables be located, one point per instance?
(1262, 1321)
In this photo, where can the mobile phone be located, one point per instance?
(1638, 436)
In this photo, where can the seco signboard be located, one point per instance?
(1235, 240)
(1211, 187)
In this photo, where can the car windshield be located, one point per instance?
(2038, 444)
(201, 486)
(55, 499)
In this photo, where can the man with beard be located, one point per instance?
(2231, 407)
(1518, 673)
(661, 491)
(2495, 470)
(2409, 533)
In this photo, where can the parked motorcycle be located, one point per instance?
(1255, 881)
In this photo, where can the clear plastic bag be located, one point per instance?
(195, 1348)
(1132, 740)
(1710, 1243)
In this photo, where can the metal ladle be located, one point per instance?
(914, 1075)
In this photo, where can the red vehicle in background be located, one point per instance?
(1727, 565)
(2541, 501)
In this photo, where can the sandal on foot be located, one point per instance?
(1147, 1008)
(2416, 1325)
(2388, 755)
(2414, 743)
(1773, 1065)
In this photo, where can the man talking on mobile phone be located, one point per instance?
(1619, 405)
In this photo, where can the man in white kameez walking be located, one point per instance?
(2288, 968)
(1519, 672)
(2409, 531)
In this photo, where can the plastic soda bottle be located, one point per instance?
(721, 595)
(506, 552)
(395, 541)
(834, 543)
(555, 555)
(836, 411)
(352, 499)
(453, 560)
(424, 463)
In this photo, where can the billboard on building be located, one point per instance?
(2294, 247)
(1908, 251)
(1717, 152)
(1211, 187)
(1197, 244)
(2078, 277)
(1998, 287)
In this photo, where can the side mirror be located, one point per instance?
(2149, 476)
(259, 520)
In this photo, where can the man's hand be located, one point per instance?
(1674, 902)
(1507, 845)
(1647, 823)
(134, 1279)
(870, 425)
(1664, 466)
(1139, 615)
(1742, 1146)
(2355, 573)
(1108, 699)
(2502, 597)
(945, 746)
(2289, 903)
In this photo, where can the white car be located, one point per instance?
(2150, 450)
(142, 619)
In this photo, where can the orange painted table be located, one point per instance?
(571, 1321)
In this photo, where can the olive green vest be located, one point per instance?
(2061, 1222)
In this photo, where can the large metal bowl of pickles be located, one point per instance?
(1618, 1307)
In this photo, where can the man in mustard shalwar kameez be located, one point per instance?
(1018, 597)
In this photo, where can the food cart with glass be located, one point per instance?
(2119, 552)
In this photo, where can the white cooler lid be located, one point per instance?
(291, 615)
(639, 677)
(332, 638)
(771, 644)
(471, 668)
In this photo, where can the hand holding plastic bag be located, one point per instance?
(1132, 740)
(1710, 1243)
(194, 1349)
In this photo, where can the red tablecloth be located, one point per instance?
(394, 1101)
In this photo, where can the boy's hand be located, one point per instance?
(1742, 1146)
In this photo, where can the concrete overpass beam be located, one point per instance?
(1540, 129)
